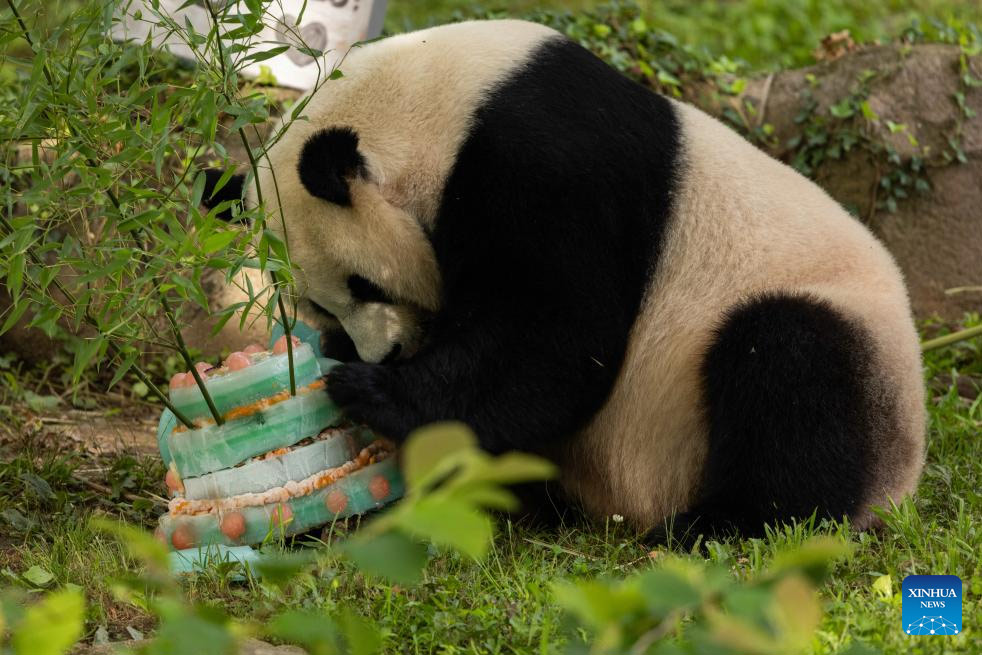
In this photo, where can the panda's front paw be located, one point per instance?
(368, 393)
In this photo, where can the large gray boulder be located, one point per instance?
(936, 235)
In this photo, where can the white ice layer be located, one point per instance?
(262, 474)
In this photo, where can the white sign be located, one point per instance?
(331, 26)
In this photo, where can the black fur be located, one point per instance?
(790, 416)
(327, 159)
(231, 191)
(550, 226)
(364, 290)
(336, 344)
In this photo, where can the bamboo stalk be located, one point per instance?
(182, 348)
(254, 165)
(949, 339)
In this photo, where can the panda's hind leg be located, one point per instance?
(790, 417)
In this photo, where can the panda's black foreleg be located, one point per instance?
(520, 386)
(792, 417)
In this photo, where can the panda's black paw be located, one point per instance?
(368, 393)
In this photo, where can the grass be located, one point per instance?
(765, 33)
(504, 604)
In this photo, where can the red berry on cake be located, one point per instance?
(182, 537)
(280, 346)
(336, 501)
(233, 525)
(182, 380)
(281, 515)
(238, 361)
(379, 487)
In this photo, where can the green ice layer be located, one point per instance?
(269, 375)
(216, 447)
(362, 491)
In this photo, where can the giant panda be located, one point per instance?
(495, 227)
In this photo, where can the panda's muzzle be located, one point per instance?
(337, 344)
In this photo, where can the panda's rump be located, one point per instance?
(798, 421)
(752, 242)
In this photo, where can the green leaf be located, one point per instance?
(276, 245)
(282, 568)
(843, 109)
(226, 175)
(665, 590)
(38, 485)
(427, 446)
(38, 403)
(868, 112)
(314, 631)
(218, 241)
(138, 543)
(37, 576)
(596, 602)
(883, 587)
(197, 190)
(362, 637)
(814, 558)
(52, 626)
(391, 555)
(450, 522)
(266, 54)
(15, 275)
(199, 631)
(86, 350)
(125, 366)
(14, 314)
(512, 468)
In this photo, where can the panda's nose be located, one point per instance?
(393, 353)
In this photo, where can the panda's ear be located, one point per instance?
(232, 190)
(327, 160)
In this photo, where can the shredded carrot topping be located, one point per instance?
(375, 452)
(253, 408)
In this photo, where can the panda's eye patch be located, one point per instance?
(367, 291)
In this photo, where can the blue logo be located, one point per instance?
(932, 605)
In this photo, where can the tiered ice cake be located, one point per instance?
(279, 464)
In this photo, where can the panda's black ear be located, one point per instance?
(327, 160)
(231, 191)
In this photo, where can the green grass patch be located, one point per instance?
(506, 603)
(766, 34)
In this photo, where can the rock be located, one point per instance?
(936, 237)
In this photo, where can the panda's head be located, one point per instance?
(362, 264)
(355, 185)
